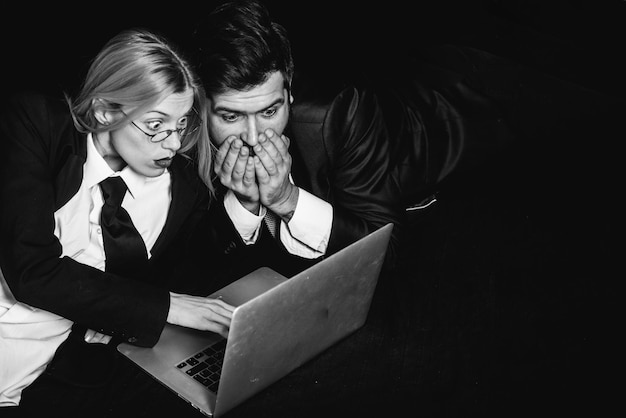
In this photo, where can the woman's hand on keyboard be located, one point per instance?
(200, 312)
(95, 337)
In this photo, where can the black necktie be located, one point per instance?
(124, 248)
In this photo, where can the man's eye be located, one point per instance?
(230, 117)
(268, 113)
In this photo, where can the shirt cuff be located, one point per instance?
(308, 230)
(246, 223)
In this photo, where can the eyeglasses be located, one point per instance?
(163, 135)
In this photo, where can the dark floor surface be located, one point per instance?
(501, 312)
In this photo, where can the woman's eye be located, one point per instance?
(183, 122)
(154, 125)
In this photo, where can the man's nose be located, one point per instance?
(251, 134)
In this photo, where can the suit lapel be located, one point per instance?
(309, 168)
(69, 174)
(184, 200)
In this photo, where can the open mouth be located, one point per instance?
(163, 162)
(251, 152)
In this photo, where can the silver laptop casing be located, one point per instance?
(278, 325)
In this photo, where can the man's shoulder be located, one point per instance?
(316, 96)
(312, 98)
(185, 169)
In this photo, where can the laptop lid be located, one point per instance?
(278, 325)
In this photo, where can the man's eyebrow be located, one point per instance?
(226, 109)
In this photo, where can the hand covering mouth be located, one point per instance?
(251, 152)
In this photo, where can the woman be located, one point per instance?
(136, 116)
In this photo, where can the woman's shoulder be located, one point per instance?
(41, 117)
(35, 102)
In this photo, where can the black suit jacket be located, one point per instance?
(341, 155)
(43, 162)
(376, 144)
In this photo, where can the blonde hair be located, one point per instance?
(138, 69)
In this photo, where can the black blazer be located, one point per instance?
(375, 144)
(43, 159)
(340, 155)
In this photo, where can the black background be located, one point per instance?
(512, 303)
(578, 40)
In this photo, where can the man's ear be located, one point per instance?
(290, 95)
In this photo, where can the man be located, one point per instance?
(250, 105)
(332, 167)
(475, 273)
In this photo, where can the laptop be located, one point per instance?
(278, 324)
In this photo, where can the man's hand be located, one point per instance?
(235, 168)
(272, 165)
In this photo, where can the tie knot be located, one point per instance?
(113, 190)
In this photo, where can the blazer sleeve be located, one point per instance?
(38, 139)
(355, 139)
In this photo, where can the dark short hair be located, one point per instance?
(238, 46)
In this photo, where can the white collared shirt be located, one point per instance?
(77, 223)
(307, 232)
(30, 336)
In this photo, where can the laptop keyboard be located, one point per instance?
(206, 365)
